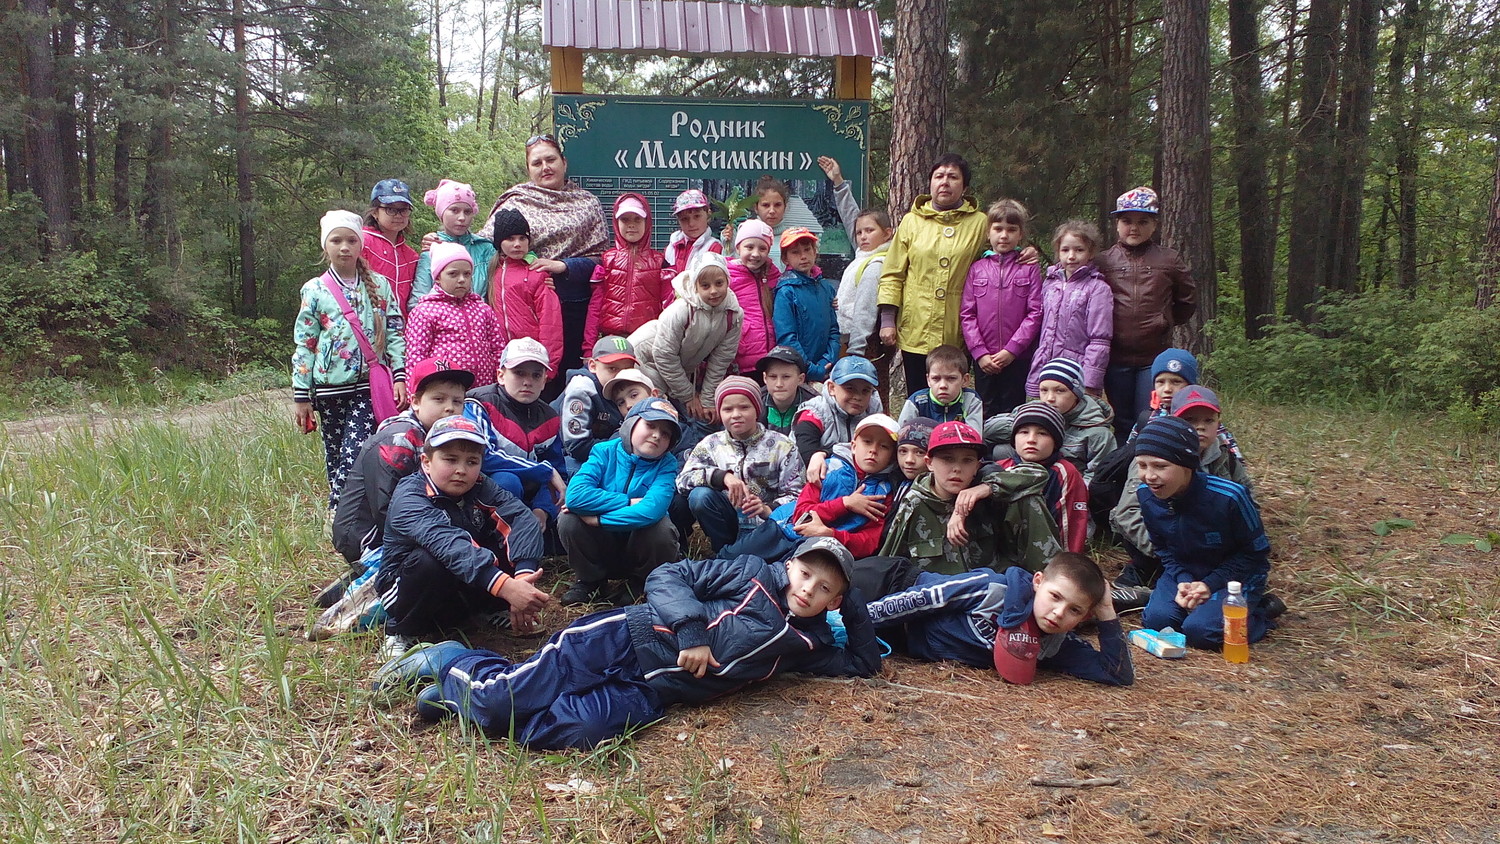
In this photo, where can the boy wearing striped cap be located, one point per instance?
(1087, 435)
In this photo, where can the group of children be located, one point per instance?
(731, 396)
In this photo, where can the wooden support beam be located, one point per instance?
(852, 77)
(567, 70)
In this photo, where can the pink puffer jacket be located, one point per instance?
(759, 334)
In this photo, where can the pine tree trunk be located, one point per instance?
(1117, 49)
(1186, 183)
(1257, 236)
(65, 36)
(44, 154)
(1312, 211)
(119, 188)
(920, 98)
(158, 223)
(1489, 272)
(1362, 29)
(243, 172)
(14, 150)
(1408, 54)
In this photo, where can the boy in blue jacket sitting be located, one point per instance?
(455, 542)
(614, 525)
(1013, 621)
(1206, 531)
(707, 629)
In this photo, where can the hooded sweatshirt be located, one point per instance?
(688, 349)
(629, 290)
(956, 617)
(806, 321)
(463, 332)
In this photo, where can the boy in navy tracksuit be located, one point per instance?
(708, 628)
(1206, 531)
(455, 542)
(1013, 621)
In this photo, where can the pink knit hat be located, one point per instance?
(445, 253)
(448, 192)
(754, 229)
(738, 385)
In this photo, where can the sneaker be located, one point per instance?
(1271, 606)
(630, 591)
(1129, 598)
(583, 593)
(1129, 576)
(426, 664)
(396, 645)
(334, 591)
(431, 705)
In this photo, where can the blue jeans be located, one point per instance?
(1129, 392)
(711, 509)
(1204, 624)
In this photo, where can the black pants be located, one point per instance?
(1006, 389)
(1145, 567)
(914, 367)
(597, 555)
(421, 594)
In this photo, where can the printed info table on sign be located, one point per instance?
(659, 147)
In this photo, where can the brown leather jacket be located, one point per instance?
(1154, 291)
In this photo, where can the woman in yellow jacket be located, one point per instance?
(926, 266)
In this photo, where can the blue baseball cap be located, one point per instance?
(653, 409)
(854, 368)
(387, 191)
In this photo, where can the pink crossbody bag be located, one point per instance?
(382, 384)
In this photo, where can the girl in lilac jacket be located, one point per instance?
(1078, 316)
(1000, 311)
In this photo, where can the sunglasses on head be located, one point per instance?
(536, 139)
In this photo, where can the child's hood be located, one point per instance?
(1089, 412)
(620, 241)
(686, 282)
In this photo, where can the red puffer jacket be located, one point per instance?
(629, 290)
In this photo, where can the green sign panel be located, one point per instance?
(660, 146)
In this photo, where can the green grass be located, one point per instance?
(148, 388)
(155, 685)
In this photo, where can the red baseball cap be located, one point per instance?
(424, 369)
(1194, 396)
(1016, 651)
(950, 434)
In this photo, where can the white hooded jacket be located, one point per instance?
(688, 349)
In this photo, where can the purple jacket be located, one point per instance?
(1078, 320)
(1001, 307)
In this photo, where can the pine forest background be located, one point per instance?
(1330, 167)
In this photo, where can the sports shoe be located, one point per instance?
(431, 706)
(583, 593)
(334, 591)
(1129, 598)
(628, 592)
(424, 664)
(395, 645)
(1271, 606)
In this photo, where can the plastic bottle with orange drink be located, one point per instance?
(1236, 625)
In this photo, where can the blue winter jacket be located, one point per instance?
(806, 321)
(612, 476)
(955, 616)
(1210, 533)
(480, 537)
(738, 608)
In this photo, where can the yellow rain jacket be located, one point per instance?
(925, 270)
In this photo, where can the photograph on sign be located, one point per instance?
(659, 147)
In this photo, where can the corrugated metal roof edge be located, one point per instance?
(620, 26)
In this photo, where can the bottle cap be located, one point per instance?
(1234, 587)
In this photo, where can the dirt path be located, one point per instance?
(196, 418)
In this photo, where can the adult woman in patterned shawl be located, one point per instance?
(568, 234)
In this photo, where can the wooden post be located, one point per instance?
(852, 77)
(567, 70)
